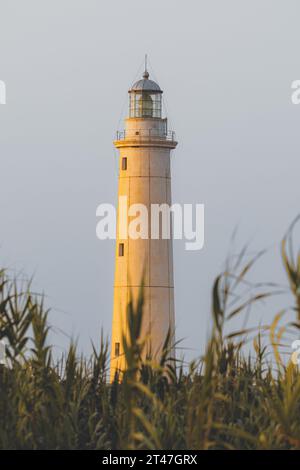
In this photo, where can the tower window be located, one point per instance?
(124, 163)
(117, 349)
(121, 249)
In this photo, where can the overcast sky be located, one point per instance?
(226, 68)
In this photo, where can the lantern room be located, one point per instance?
(145, 98)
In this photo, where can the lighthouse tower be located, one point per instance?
(144, 178)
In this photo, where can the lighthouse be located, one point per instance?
(144, 178)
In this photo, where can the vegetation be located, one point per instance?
(234, 397)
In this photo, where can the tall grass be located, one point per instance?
(231, 398)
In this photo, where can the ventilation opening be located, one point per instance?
(117, 349)
(121, 249)
(124, 163)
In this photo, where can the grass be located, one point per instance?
(234, 397)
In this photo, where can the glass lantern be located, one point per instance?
(145, 104)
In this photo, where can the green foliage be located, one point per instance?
(227, 399)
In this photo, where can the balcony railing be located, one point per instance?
(146, 134)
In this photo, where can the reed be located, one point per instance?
(233, 397)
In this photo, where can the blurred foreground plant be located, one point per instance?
(231, 398)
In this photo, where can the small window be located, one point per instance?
(117, 349)
(124, 163)
(121, 249)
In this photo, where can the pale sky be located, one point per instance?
(226, 69)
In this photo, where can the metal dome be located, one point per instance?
(145, 85)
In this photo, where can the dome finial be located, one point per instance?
(146, 73)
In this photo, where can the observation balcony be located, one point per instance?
(154, 137)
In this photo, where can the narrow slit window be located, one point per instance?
(124, 163)
(117, 349)
(121, 249)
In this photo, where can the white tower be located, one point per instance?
(144, 178)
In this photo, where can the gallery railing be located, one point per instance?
(146, 134)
